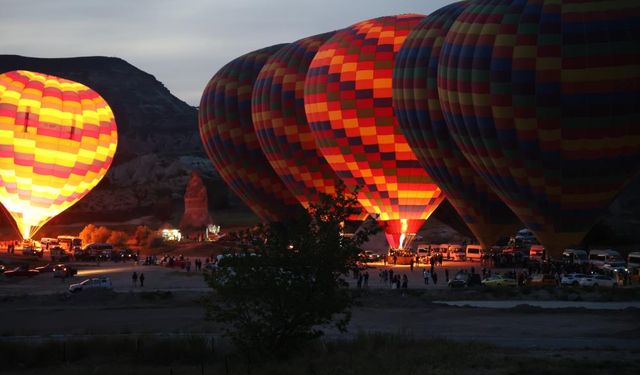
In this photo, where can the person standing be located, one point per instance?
(366, 279)
(405, 281)
(425, 276)
(134, 278)
(446, 275)
(434, 277)
(141, 279)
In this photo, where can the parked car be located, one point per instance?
(127, 254)
(46, 268)
(21, 271)
(462, 280)
(572, 279)
(58, 254)
(32, 251)
(64, 271)
(615, 266)
(536, 253)
(498, 281)
(543, 279)
(599, 281)
(369, 256)
(94, 283)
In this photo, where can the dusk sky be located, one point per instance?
(181, 43)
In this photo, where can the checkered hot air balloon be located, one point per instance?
(348, 105)
(281, 123)
(228, 136)
(542, 99)
(416, 103)
(57, 141)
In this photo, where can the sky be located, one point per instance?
(182, 43)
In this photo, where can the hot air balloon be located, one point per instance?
(348, 104)
(228, 136)
(542, 99)
(416, 103)
(281, 123)
(57, 141)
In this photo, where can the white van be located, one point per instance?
(633, 260)
(575, 256)
(457, 252)
(599, 257)
(423, 250)
(474, 252)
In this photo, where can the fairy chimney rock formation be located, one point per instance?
(196, 204)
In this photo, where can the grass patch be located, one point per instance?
(367, 354)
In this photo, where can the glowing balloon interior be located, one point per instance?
(57, 141)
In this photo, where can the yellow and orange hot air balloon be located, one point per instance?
(57, 141)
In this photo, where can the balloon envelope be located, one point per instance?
(416, 103)
(229, 138)
(281, 123)
(348, 105)
(541, 97)
(58, 139)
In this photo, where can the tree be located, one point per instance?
(87, 233)
(286, 279)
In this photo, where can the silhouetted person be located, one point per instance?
(434, 277)
(141, 279)
(134, 278)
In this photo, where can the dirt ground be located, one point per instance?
(171, 303)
